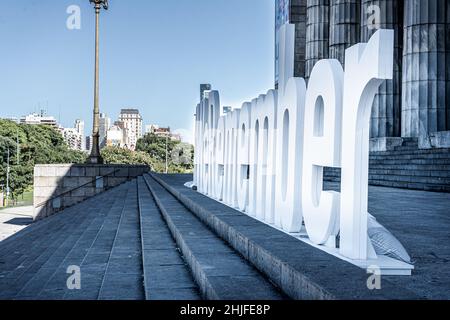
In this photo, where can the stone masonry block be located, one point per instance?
(85, 180)
(77, 171)
(78, 192)
(52, 181)
(63, 171)
(114, 181)
(70, 182)
(39, 182)
(107, 170)
(45, 192)
(92, 171)
(48, 171)
(123, 172)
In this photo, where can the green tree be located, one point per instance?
(116, 155)
(180, 155)
(38, 144)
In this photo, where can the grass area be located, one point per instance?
(24, 200)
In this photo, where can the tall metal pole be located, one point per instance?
(18, 147)
(167, 157)
(2, 203)
(7, 181)
(95, 157)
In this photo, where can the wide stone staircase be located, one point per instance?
(154, 239)
(406, 167)
(133, 242)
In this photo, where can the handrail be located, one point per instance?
(74, 189)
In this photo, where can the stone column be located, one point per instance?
(298, 17)
(386, 110)
(344, 26)
(317, 33)
(424, 63)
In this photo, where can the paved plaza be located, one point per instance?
(12, 220)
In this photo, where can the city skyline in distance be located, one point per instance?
(145, 58)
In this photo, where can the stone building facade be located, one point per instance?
(415, 104)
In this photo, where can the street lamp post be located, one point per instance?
(7, 180)
(95, 157)
(2, 204)
(167, 154)
(18, 147)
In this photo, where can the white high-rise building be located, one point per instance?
(74, 137)
(104, 125)
(79, 127)
(132, 122)
(115, 137)
(36, 119)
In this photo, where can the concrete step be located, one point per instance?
(407, 175)
(412, 167)
(400, 183)
(409, 178)
(410, 172)
(41, 249)
(220, 272)
(411, 151)
(123, 278)
(406, 167)
(166, 274)
(32, 231)
(411, 185)
(35, 226)
(50, 281)
(301, 271)
(407, 156)
(434, 162)
(91, 254)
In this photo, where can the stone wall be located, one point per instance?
(416, 102)
(58, 186)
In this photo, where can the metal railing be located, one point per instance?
(42, 204)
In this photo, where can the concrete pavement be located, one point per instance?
(13, 220)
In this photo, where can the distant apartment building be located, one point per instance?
(104, 125)
(88, 143)
(13, 119)
(204, 87)
(74, 137)
(132, 123)
(121, 125)
(162, 132)
(79, 127)
(37, 119)
(115, 137)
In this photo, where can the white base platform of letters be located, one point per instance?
(267, 158)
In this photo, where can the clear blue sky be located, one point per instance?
(154, 55)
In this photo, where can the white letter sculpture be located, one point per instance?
(323, 116)
(267, 158)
